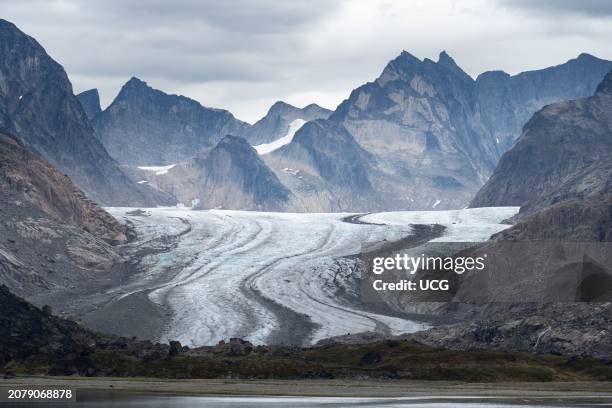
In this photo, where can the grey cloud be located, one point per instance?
(591, 8)
(243, 55)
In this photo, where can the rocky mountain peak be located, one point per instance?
(38, 106)
(401, 67)
(234, 144)
(133, 87)
(447, 61)
(148, 127)
(90, 101)
(280, 106)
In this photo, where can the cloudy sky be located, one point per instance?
(243, 55)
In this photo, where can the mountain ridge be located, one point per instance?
(38, 106)
(146, 126)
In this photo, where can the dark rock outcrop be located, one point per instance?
(38, 106)
(577, 329)
(90, 101)
(276, 122)
(144, 126)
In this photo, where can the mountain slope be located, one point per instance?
(38, 106)
(32, 179)
(53, 237)
(277, 121)
(564, 152)
(507, 102)
(90, 101)
(433, 124)
(144, 126)
(231, 175)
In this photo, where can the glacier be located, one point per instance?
(262, 276)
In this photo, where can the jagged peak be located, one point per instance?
(7, 24)
(135, 82)
(91, 92)
(447, 61)
(406, 56)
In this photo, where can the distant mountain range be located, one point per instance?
(560, 171)
(423, 135)
(38, 106)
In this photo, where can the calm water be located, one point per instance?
(121, 399)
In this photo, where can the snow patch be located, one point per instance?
(278, 143)
(291, 171)
(142, 182)
(159, 170)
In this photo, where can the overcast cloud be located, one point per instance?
(244, 55)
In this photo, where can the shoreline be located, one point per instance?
(551, 391)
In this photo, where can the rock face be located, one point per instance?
(53, 236)
(38, 106)
(507, 102)
(276, 122)
(566, 329)
(230, 176)
(90, 101)
(442, 130)
(30, 178)
(564, 153)
(325, 167)
(560, 172)
(432, 135)
(146, 127)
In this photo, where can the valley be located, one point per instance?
(204, 276)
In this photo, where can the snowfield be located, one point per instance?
(285, 140)
(273, 277)
(158, 170)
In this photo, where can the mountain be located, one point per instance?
(560, 172)
(507, 102)
(554, 293)
(53, 236)
(38, 106)
(231, 175)
(565, 152)
(277, 121)
(90, 101)
(32, 179)
(443, 131)
(325, 167)
(144, 126)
